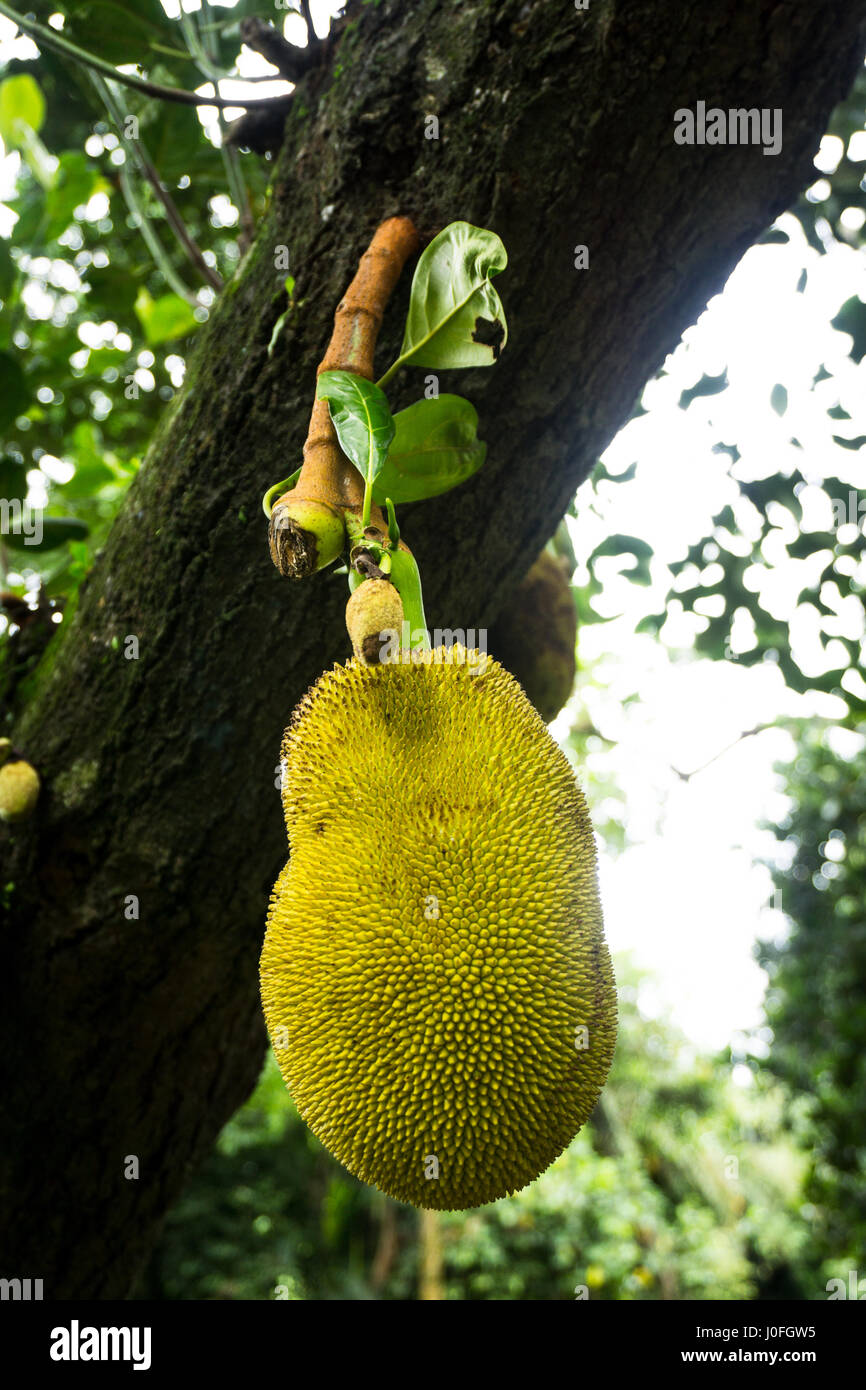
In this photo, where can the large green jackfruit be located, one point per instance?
(434, 976)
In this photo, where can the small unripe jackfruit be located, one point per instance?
(535, 636)
(19, 791)
(374, 610)
(434, 976)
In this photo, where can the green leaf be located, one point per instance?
(434, 449)
(639, 572)
(707, 386)
(13, 478)
(75, 181)
(14, 395)
(652, 623)
(21, 105)
(362, 419)
(455, 316)
(851, 318)
(165, 318)
(779, 398)
(8, 271)
(56, 530)
(773, 236)
(124, 31)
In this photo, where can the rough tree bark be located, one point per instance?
(556, 128)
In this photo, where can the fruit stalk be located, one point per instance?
(307, 526)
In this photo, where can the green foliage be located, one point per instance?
(815, 1001)
(14, 392)
(639, 572)
(362, 419)
(22, 110)
(435, 448)
(54, 531)
(164, 319)
(454, 308)
(820, 211)
(90, 331)
(645, 1204)
(431, 446)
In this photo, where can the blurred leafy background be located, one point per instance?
(733, 1171)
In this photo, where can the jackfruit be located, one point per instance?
(536, 634)
(434, 976)
(19, 791)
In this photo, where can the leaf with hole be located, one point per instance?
(455, 315)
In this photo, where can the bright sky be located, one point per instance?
(686, 897)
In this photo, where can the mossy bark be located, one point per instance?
(139, 1036)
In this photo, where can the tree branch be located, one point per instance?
(328, 480)
(262, 37)
(148, 172)
(49, 38)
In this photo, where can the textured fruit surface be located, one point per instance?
(19, 791)
(434, 976)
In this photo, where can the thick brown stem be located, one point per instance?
(328, 480)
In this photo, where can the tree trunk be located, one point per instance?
(128, 1036)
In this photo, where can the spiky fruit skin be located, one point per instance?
(434, 948)
(19, 791)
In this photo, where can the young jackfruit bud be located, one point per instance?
(304, 536)
(19, 791)
(374, 610)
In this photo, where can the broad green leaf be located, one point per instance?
(126, 31)
(455, 316)
(14, 394)
(22, 108)
(112, 293)
(53, 531)
(87, 481)
(434, 449)
(362, 419)
(165, 318)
